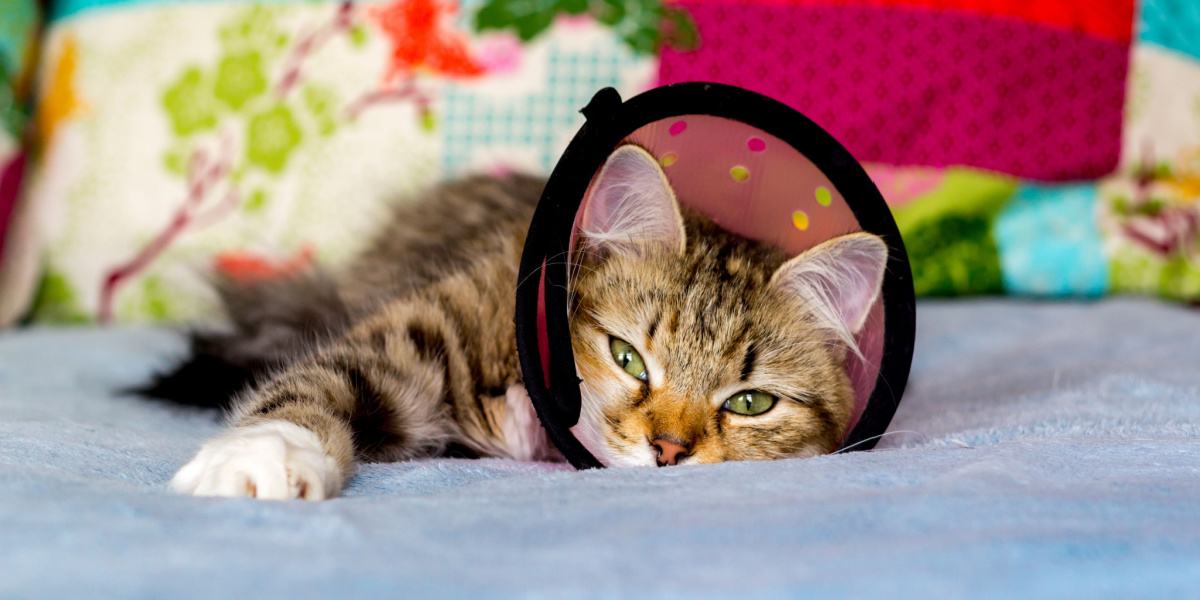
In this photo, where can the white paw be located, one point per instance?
(276, 460)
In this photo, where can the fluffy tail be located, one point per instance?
(273, 323)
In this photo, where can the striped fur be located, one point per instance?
(409, 352)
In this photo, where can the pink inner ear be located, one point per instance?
(631, 201)
(839, 280)
(862, 372)
(864, 264)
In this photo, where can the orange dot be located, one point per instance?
(668, 159)
(800, 220)
(739, 173)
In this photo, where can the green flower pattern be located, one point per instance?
(271, 136)
(322, 103)
(200, 99)
(235, 94)
(189, 103)
(240, 79)
(238, 120)
(254, 29)
(55, 300)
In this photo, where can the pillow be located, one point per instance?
(1150, 211)
(182, 137)
(186, 137)
(1032, 89)
(1017, 155)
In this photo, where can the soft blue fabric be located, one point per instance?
(1055, 453)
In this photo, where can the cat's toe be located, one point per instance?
(276, 460)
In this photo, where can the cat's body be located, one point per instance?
(376, 361)
(410, 352)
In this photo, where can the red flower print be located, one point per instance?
(247, 266)
(422, 37)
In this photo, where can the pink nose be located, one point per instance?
(670, 451)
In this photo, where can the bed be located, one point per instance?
(1042, 449)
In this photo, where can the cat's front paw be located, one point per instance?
(276, 460)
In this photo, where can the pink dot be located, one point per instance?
(756, 144)
(678, 127)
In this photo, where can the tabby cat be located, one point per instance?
(694, 345)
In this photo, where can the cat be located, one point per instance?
(693, 345)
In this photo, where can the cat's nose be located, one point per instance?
(670, 450)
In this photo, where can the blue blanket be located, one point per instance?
(1042, 449)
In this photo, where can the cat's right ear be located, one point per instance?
(838, 281)
(631, 207)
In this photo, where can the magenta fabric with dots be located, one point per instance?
(920, 87)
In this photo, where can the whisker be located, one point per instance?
(882, 435)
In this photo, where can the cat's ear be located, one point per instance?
(631, 207)
(838, 280)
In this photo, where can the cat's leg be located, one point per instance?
(378, 393)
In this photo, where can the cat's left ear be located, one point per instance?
(631, 206)
(838, 281)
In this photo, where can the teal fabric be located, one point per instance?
(1050, 243)
(17, 28)
(539, 123)
(62, 9)
(18, 25)
(1042, 451)
(1172, 24)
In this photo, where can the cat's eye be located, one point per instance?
(627, 358)
(749, 403)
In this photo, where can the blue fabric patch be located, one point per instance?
(60, 9)
(1173, 24)
(1050, 244)
(541, 122)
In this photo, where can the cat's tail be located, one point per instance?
(272, 322)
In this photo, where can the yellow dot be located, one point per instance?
(668, 159)
(739, 173)
(824, 198)
(800, 220)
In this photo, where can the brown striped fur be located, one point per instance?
(409, 351)
(710, 325)
(430, 356)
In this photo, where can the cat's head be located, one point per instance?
(695, 345)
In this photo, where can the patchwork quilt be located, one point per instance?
(1048, 149)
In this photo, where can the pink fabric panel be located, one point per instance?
(10, 186)
(919, 87)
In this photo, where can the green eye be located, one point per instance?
(627, 358)
(749, 403)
